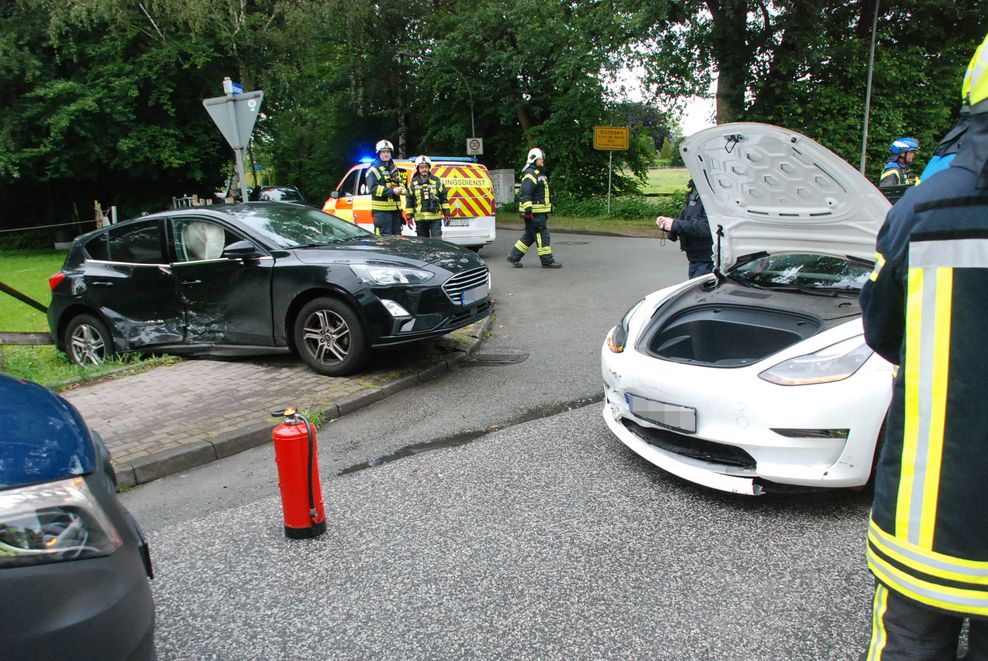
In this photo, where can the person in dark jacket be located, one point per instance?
(923, 310)
(899, 169)
(384, 180)
(692, 231)
(426, 205)
(534, 205)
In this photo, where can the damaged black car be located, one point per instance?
(256, 278)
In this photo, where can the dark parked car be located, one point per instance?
(279, 194)
(260, 277)
(74, 565)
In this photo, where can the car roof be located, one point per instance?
(44, 439)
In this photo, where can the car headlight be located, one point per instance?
(619, 334)
(53, 522)
(833, 363)
(390, 275)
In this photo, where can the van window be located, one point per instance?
(349, 186)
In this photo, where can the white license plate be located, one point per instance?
(672, 416)
(471, 296)
(459, 222)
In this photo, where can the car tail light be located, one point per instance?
(56, 280)
(53, 522)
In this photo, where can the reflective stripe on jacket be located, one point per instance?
(922, 309)
(897, 174)
(426, 198)
(534, 193)
(381, 179)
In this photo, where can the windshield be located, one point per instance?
(805, 271)
(290, 226)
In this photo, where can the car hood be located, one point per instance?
(404, 251)
(44, 439)
(774, 190)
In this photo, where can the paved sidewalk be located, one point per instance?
(176, 417)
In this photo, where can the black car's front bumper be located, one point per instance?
(97, 608)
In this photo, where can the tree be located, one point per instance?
(804, 64)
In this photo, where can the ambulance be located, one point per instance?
(468, 187)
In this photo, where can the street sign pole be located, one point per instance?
(610, 168)
(611, 139)
(235, 115)
(238, 152)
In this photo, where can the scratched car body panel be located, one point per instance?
(236, 280)
(757, 378)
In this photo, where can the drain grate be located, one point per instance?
(495, 357)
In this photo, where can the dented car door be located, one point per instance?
(227, 300)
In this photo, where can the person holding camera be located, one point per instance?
(426, 206)
(692, 231)
(534, 204)
(384, 180)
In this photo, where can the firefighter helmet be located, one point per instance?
(383, 145)
(903, 145)
(422, 160)
(535, 154)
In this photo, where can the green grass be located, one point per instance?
(666, 181)
(26, 271)
(52, 368)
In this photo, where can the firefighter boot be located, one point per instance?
(552, 265)
(514, 257)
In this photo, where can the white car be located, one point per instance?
(757, 378)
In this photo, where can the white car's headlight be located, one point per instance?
(833, 363)
(390, 275)
(618, 336)
(52, 522)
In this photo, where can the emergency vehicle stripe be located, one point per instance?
(907, 472)
(971, 602)
(878, 635)
(924, 560)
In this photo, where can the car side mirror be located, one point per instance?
(335, 194)
(242, 250)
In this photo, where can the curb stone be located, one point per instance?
(191, 455)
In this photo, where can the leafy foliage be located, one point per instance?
(103, 97)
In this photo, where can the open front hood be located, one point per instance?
(775, 190)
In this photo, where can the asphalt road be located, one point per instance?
(517, 527)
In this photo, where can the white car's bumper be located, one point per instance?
(749, 431)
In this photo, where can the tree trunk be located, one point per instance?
(525, 121)
(731, 55)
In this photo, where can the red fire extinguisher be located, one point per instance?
(295, 452)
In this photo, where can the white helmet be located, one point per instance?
(382, 145)
(422, 160)
(535, 154)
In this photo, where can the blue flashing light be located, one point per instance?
(367, 159)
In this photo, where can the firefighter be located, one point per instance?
(692, 231)
(923, 310)
(386, 188)
(947, 149)
(534, 203)
(899, 171)
(426, 205)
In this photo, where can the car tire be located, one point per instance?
(87, 340)
(329, 337)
